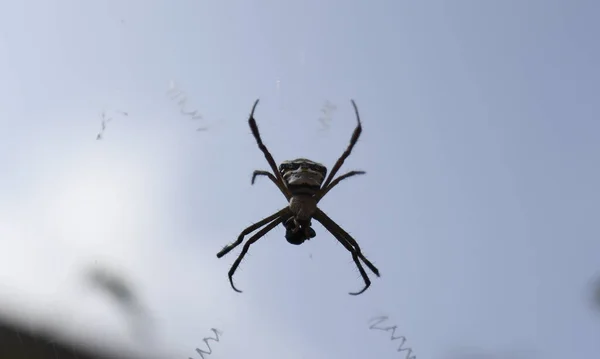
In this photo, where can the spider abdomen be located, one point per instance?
(303, 207)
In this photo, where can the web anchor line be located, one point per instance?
(202, 352)
(328, 109)
(105, 121)
(175, 93)
(393, 337)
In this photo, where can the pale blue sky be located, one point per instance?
(480, 142)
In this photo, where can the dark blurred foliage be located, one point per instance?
(122, 292)
(18, 343)
(594, 293)
(114, 285)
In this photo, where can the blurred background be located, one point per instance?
(126, 162)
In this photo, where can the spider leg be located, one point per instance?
(263, 148)
(252, 239)
(324, 190)
(333, 227)
(273, 179)
(249, 230)
(353, 140)
(352, 250)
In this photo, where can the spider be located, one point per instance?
(301, 182)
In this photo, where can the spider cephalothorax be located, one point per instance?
(302, 175)
(303, 184)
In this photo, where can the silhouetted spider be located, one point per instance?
(300, 182)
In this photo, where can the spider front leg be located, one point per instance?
(353, 140)
(281, 187)
(265, 151)
(252, 239)
(324, 190)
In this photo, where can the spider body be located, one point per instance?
(298, 227)
(303, 176)
(296, 237)
(303, 183)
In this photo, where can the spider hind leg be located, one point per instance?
(350, 244)
(246, 247)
